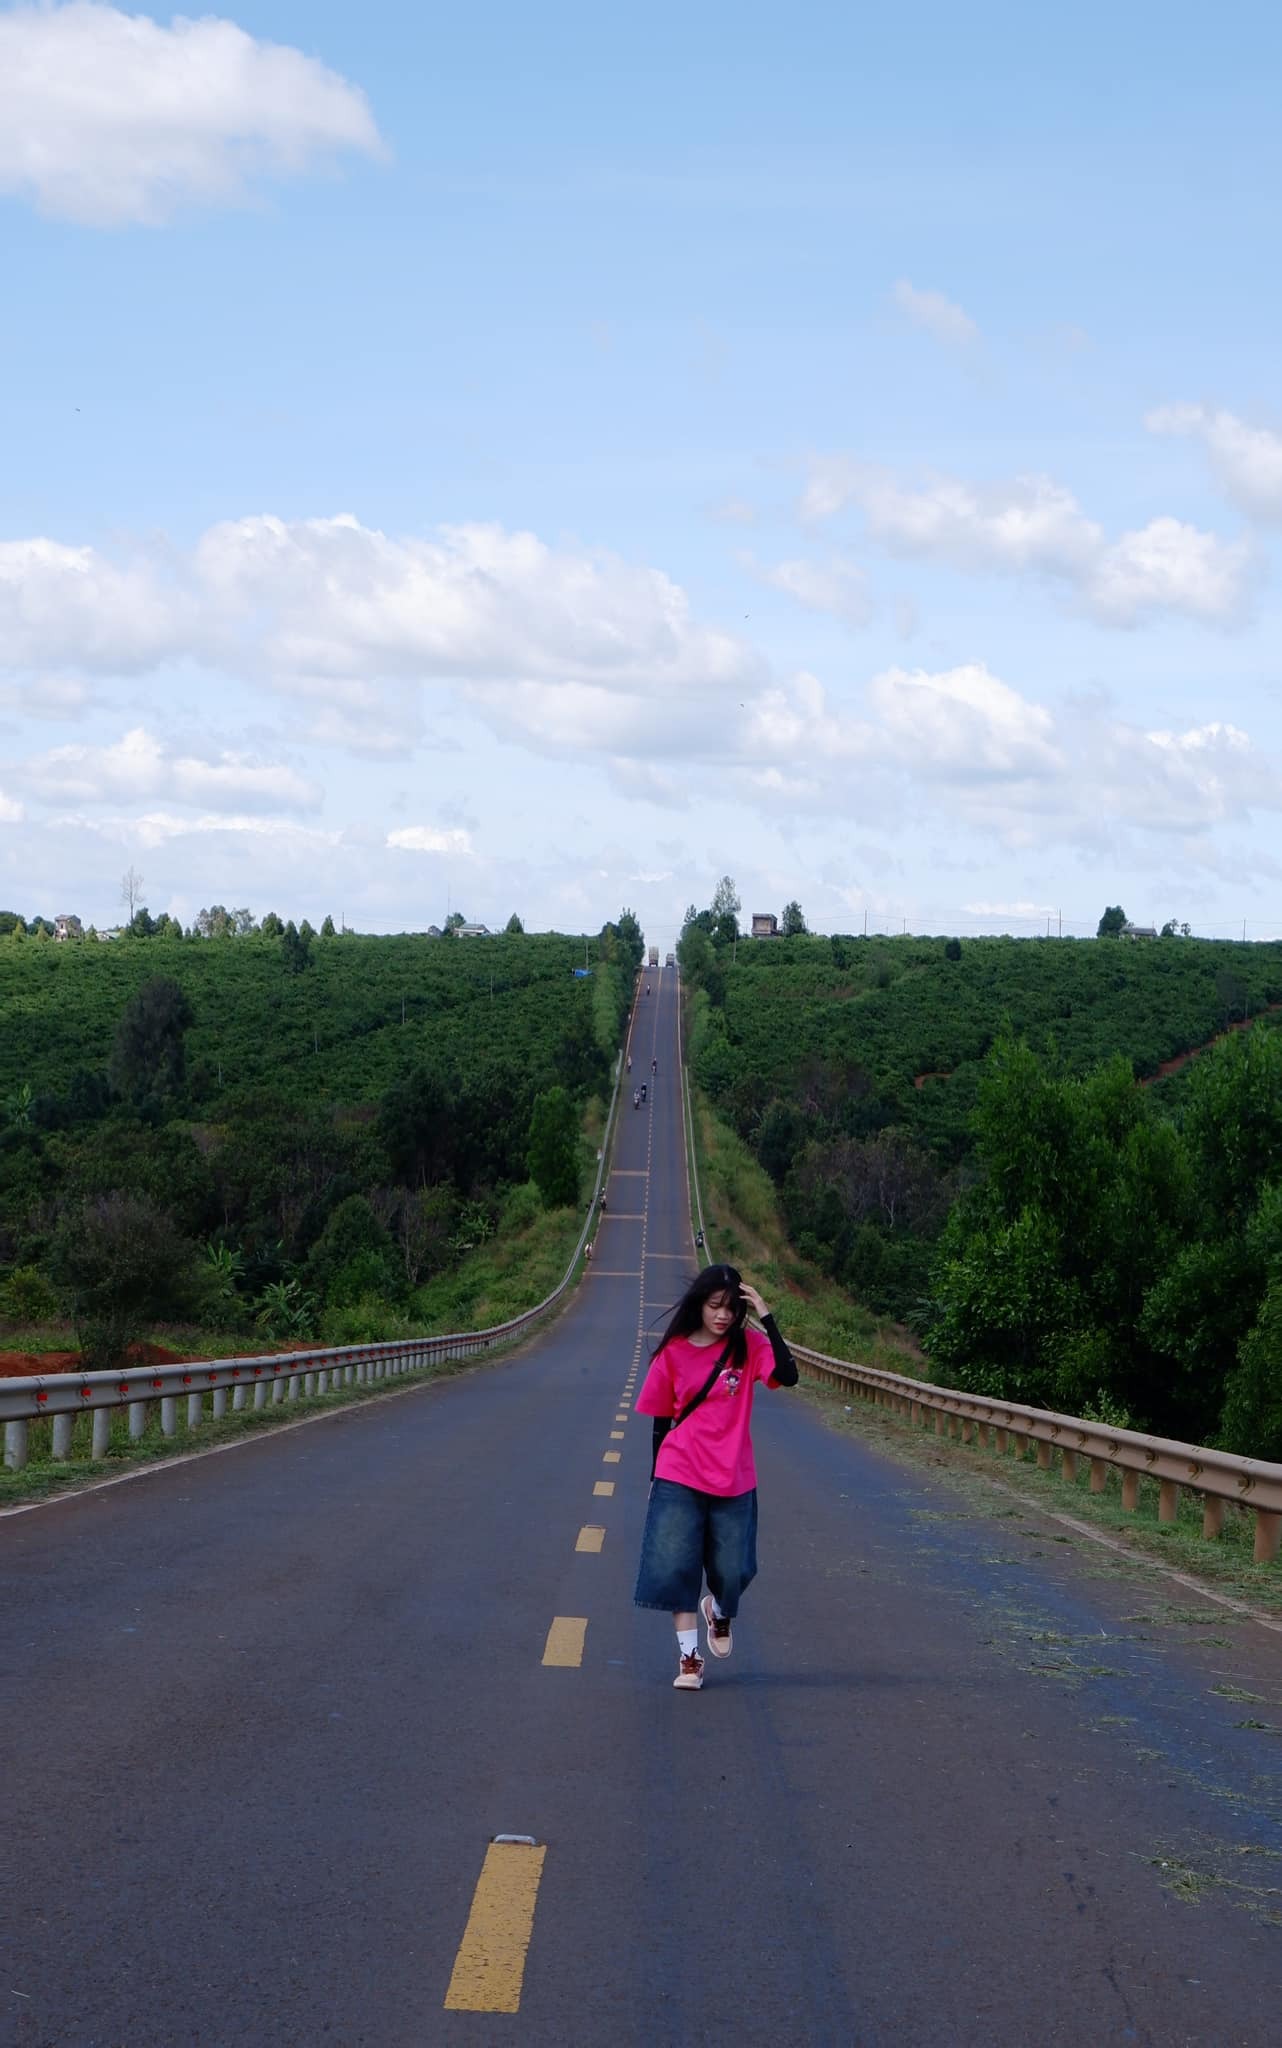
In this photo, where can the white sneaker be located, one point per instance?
(689, 1676)
(720, 1640)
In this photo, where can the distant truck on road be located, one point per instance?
(672, 960)
(654, 956)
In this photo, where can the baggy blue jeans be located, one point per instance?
(689, 1535)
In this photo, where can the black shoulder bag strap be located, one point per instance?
(662, 1432)
(706, 1388)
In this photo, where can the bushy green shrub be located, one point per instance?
(27, 1296)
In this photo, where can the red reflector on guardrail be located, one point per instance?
(41, 1396)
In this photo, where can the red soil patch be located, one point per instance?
(1182, 1059)
(30, 1365)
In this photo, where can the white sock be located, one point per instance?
(688, 1642)
(716, 1607)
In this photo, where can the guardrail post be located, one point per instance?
(1168, 1500)
(278, 1389)
(1099, 1475)
(1044, 1449)
(1068, 1463)
(195, 1410)
(101, 1438)
(137, 1421)
(1268, 1531)
(1212, 1516)
(61, 1446)
(967, 1430)
(309, 1383)
(1003, 1442)
(260, 1393)
(238, 1394)
(1130, 1490)
(15, 1445)
(168, 1415)
(220, 1403)
(291, 1391)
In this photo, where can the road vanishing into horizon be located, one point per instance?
(964, 1781)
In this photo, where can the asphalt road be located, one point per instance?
(264, 1712)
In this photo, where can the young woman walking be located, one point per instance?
(702, 1517)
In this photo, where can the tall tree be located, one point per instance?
(148, 1061)
(726, 905)
(553, 1151)
(793, 924)
(131, 890)
(1112, 921)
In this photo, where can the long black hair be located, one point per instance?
(687, 1316)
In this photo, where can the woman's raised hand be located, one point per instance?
(753, 1299)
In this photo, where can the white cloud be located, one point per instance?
(70, 607)
(965, 724)
(938, 315)
(837, 586)
(330, 598)
(1032, 525)
(108, 117)
(566, 647)
(1246, 460)
(430, 839)
(1025, 909)
(11, 811)
(140, 765)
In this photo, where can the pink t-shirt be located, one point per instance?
(712, 1450)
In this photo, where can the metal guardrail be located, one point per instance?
(206, 1387)
(1008, 1426)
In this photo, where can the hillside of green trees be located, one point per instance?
(288, 1136)
(975, 1135)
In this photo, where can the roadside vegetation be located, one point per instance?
(1004, 1146)
(214, 1141)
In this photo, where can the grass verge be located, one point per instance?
(1225, 1565)
(513, 1272)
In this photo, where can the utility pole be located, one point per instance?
(865, 920)
(1061, 924)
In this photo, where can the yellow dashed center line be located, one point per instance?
(610, 1458)
(590, 1537)
(490, 1964)
(564, 1646)
(604, 1488)
(616, 1436)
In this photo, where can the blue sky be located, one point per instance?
(543, 460)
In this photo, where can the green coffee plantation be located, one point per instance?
(340, 1031)
(1005, 1143)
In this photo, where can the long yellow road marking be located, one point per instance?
(564, 1645)
(490, 1963)
(613, 1273)
(611, 1458)
(622, 1415)
(604, 1487)
(590, 1537)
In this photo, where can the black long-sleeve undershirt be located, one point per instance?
(783, 1369)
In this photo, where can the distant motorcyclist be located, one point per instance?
(643, 1091)
(654, 1066)
(647, 988)
(636, 1098)
(629, 1062)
